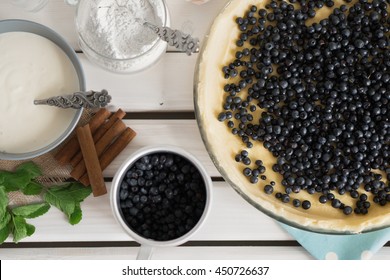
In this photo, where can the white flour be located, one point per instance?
(113, 28)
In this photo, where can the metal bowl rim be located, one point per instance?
(56, 38)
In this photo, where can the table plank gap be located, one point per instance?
(109, 179)
(202, 243)
(184, 115)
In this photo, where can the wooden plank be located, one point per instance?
(56, 15)
(231, 218)
(159, 88)
(59, 16)
(181, 133)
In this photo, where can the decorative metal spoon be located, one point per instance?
(77, 100)
(174, 37)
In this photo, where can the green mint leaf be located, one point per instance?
(24, 173)
(29, 169)
(30, 229)
(31, 211)
(5, 220)
(79, 191)
(4, 233)
(61, 200)
(11, 181)
(67, 198)
(75, 190)
(76, 216)
(33, 188)
(19, 228)
(3, 201)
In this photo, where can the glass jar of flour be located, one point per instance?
(112, 33)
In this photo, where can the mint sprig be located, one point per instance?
(66, 197)
(14, 221)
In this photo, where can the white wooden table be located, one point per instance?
(159, 102)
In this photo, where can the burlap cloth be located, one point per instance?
(53, 173)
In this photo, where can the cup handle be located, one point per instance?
(145, 252)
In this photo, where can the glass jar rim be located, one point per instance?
(166, 23)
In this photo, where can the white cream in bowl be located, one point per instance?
(32, 67)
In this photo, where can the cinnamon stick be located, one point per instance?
(91, 158)
(115, 130)
(118, 115)
(112, 152)
(72, 147)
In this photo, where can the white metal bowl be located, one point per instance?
(120, 174)
(17, 25)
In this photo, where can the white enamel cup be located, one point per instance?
(147, 245)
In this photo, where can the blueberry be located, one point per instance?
(133, 211)
(255, 172)
(246, 161)
(296, 202)
(156, 199)
(148, 174)
(323, 199)
(169, 193)
(133, 182)
(259, 162)
(253, 179)
(124, 185)
(306, 204)
(222, 116)
(244, 153)
(123, 194)
(261, 169)
(148, 183)
(154, 160)
(143, 199)
(128, 203)
(268, 189)
(163, 158)
(336, 203)
(347, 210)
(136, 198)
(285, 198)
(359, 43)
(247, 172)
(140, 166)
(141, 181)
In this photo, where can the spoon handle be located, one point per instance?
(77, 100)
(175, 38)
